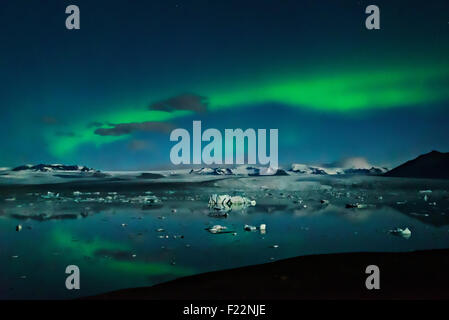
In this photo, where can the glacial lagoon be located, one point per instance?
(125, 234)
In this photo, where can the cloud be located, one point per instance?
(186, 101)
(128, 128)
(351, 163)
(94, 124)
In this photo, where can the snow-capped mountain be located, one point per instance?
(49, 173)
(295, 168)
(253, 171)
(60, 173)
(212, 171)
(53, 168)
(306, 169)
(347, 166)
(240, 171)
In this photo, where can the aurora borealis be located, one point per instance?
(309, 68)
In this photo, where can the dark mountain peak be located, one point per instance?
(433, 153)
(437, 153)
(433, 165)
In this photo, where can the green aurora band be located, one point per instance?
(348, 93)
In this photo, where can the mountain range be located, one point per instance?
(434, 165)
(53, 167)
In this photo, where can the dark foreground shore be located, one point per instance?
(411, 275)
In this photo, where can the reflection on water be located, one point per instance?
(119, 243)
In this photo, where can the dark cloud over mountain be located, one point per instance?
(94, 124)
(186, 101)
(128, 128)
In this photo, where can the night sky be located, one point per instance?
(108, 95)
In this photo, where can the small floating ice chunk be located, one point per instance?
(50, 195)
(425, 191)
(19, 228)
(247, 227)
(217, 229)
(405, 233)
(323, 201)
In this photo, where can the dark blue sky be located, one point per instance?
(308, 68)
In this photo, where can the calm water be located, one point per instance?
(119, 245)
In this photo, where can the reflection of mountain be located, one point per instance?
(434, 165)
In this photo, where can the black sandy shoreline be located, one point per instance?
(409, 275)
